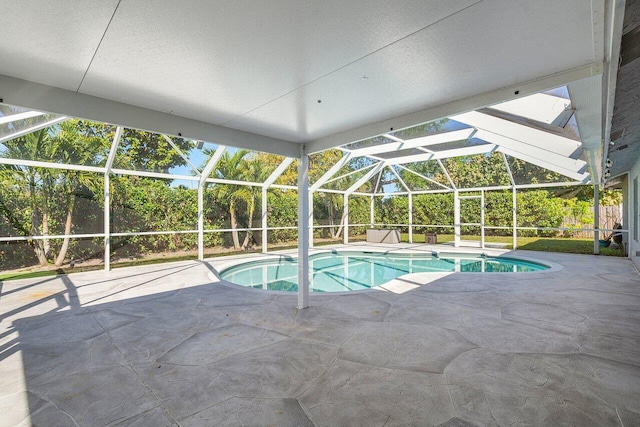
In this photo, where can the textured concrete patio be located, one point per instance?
(171, 345)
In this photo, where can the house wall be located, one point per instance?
(633, 201)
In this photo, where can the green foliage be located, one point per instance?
(537, 208)
(282, 208)
(579, 214)
(477, 171)
(359, 213)
(140, 150)
(46, 201)
(146, 204)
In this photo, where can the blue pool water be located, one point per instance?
(349, 271)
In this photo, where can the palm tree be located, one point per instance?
(254, 170)
(242, 165)
(30, 181)
(74, 146)
(230, 167)
(66, 143)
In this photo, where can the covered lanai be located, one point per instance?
(537, 95)
(530, 142)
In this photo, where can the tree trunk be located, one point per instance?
(252, 207)
(46, 244)
(234, 224)
(67, 230)
(37, 244)
(332, 229)
(341, 227)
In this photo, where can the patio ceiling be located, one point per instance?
(271, 75)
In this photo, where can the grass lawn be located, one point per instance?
(545, 244)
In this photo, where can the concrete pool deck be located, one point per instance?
(167, 345)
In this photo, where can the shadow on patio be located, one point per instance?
(164, 346)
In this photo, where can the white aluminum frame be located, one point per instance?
(550, 151)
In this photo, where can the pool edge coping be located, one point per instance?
(387, 286)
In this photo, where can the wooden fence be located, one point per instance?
(609, 217)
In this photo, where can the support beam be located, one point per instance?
(310, 219)
(547, 158)
(429, 114)
(596, 219)
(410, 218)
(181, 154)
(345, 221)
(200, 220)
(482, 219)
(404, 184)
(583, 176)
(107, 198)
(33, 129)
(332, 171)
(278, 171)
(359, 183)
(423, 177)
(515, 218)
(303, 229)
(19, 116)
(587, 98)
(612, 46)
(211, 164)
(372, 217)
(456, 152)
(107, 222)
(354, 172)
(425, 141)
(529, 135)
(263, 218)
(41, 97)
(456, 219)
(446, 173)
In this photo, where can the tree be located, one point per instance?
(51, 190)
(329, 204)
(253, 170)
(27, 180)
(232, 167)
(73, 145)
(141, 150)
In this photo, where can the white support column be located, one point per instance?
(372, 217)
(482, 219)
(596, 219)
(310, 219)
(200, 220)
(303, 229)
(345, 227)
(515, 219)
(456, 218)
(264, 220)
(410, 218)
(107, 198)
(107, 223)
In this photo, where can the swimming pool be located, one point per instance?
(350, 271)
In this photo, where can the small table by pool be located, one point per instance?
(383, 235)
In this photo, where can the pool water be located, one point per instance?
(349, 271)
